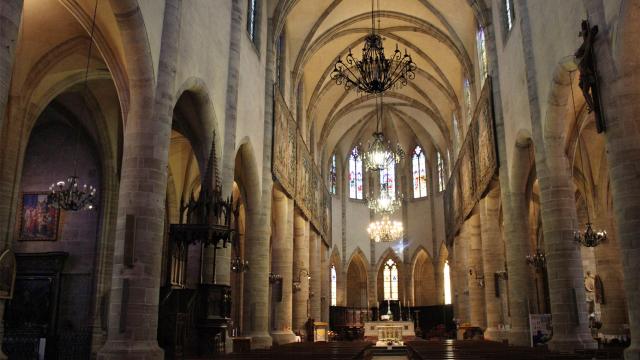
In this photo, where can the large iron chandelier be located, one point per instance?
(590, 237)
(385, 203)
(385, 230)
(375, 73)
(538, 260)
(380, 153)
(67, 195)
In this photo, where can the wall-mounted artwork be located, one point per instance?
(7, 274)
(38, 219)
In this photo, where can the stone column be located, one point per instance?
(133, 307)
(516, 227)
(10, 14)
(477, 315)
(300, 270)
(609, 269)
(316, 274)
(326, 282)
(564, 261)
(281, 264)
(492, 262)
(461, 274)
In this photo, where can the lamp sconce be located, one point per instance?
(274, 278)
(297, 283)
(238, 265)
(478, 277)
(502, 274)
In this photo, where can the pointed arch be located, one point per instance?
(423, 279)
(357, 276)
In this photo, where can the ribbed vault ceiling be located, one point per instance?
(440, 36)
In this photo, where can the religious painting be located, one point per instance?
(304, 178)
(467, 177)
(38, 219)
(484, 142)
(7, 274)
(284, 146)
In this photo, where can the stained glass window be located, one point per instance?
(390, 277)
(481, 44)
(447, 283)
(419, 173)
(252, 19)
(388, 179)
(355, 174)
(333, 174)
(334, 286)
(509, 14)
(441, 172)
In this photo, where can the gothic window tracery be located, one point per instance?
(418, 161)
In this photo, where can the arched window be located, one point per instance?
(252, 20)
(447, 283)
(334, 286)
(467, 100)
(419, 173)
(333, 174)
(355, 174)
(509, 15)
(390, 277)
(481, 45)
(441, 173)
(388, 179)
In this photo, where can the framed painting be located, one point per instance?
(39, 220)
(7, 274)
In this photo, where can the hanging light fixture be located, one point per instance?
(385, 230)
(537, 260)
(385, 203)
(239, 265)
(67, 195)
(375, 73)
(381, 153)
(590, 238)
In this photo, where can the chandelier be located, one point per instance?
(537, 260)
(590, 238)
(385, 230)
(67, 195)
(238, 265)
(375, 73)
(385, 203)
(380, 153)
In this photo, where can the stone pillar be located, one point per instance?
(477, 315)
(281, 264)
(564, 261)
(326, 282)
(316, 274)
(10, 14)
(516, 227)
(492, 262)
(461, 274)
(133, 307)
(609, 269)
(300, 270)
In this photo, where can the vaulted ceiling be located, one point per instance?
(439, 35)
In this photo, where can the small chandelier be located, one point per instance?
(537, 260)
(380, 153)
(69, 196)
(238, 265)
(385, 203)
(590, 238)
(375, 73)
(385, 230)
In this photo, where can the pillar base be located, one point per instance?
(134, 350)
(283, 337)
(518, 337)
(3, 356)
(494, 334)
(260, 340)
(571, 344)
(633, 351)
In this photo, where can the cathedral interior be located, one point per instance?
(340, 179)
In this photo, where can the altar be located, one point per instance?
(389, 331)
